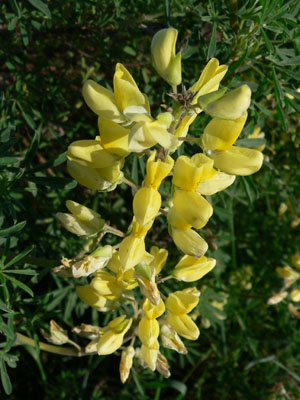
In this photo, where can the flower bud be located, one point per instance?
(113, 335)
(164, 60)
(277, 298)
(126, 363)
(152, 311)
(160, 258)
(149, 356)
(231, 106)
(183, 301)
(162, 365)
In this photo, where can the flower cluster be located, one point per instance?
(127, 278)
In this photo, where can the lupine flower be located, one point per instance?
(190, 269)
(83, 221)
(111, 337)
(295, 295)
(93, 262)
(170, 338)
(164, 60)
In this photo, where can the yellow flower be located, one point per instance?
(164, 60)
(190, 269)
(238, 160)
(232, 105)
(189, 241)
(114, 137)
(83, 221)
(93, 262)
(152, 311)
(296, 260)
(148, 332)
(277, 298)
(170, 339)
(295, 295)
(160, 258)
(149, 356)
(105, 284)
(183, 301)
(95, 178)
(113, 106)
(220, 134)
(126, 363)
(192, 208)
(215, 184)
(157, 170)
(112, 337)
(183, 325)
(92, 153)
(190, 172)
(131, 251)
(126, 90)
(209, 80)
(146, 204)
(139, 231)
(145, 275)
(92, 298)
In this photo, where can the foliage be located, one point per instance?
(47, 50)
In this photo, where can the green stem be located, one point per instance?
(115, 231)
(64, 351)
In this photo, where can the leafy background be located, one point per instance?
(47, 50)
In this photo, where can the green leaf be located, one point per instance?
(4, 307)
(212, 43)
(19, 256)
(20, 284)
(15, 7)
(33, 145)
(13, 229)
(41, 6)
(5, 378)
(250, 189)
(9, 160)
(21, 271)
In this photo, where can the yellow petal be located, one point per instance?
(114, 137)
(215, 184)
(126, 363)
(189, 242)
(184, 326)
(210, 79)
(160, 258)
(161, 136)
(92, 152)
(220, 134)
(140, 138)
(232, 105)
(190, 172)
(73, 225)
(126, 91)
(148, 331)
(105, 284)
(149, 356)
(157, 170)
(164, 60)
(190, 269)
(295, 295)
(131, 252)
(140, 231)
(109, 342)
(238, 160)
(171, 340)
(101, 101)
(176, 220)
(146, 204)
(192, 207)
(89, 296)
(88, 177)
(85, 214)
(152, 311)
(183, 301)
